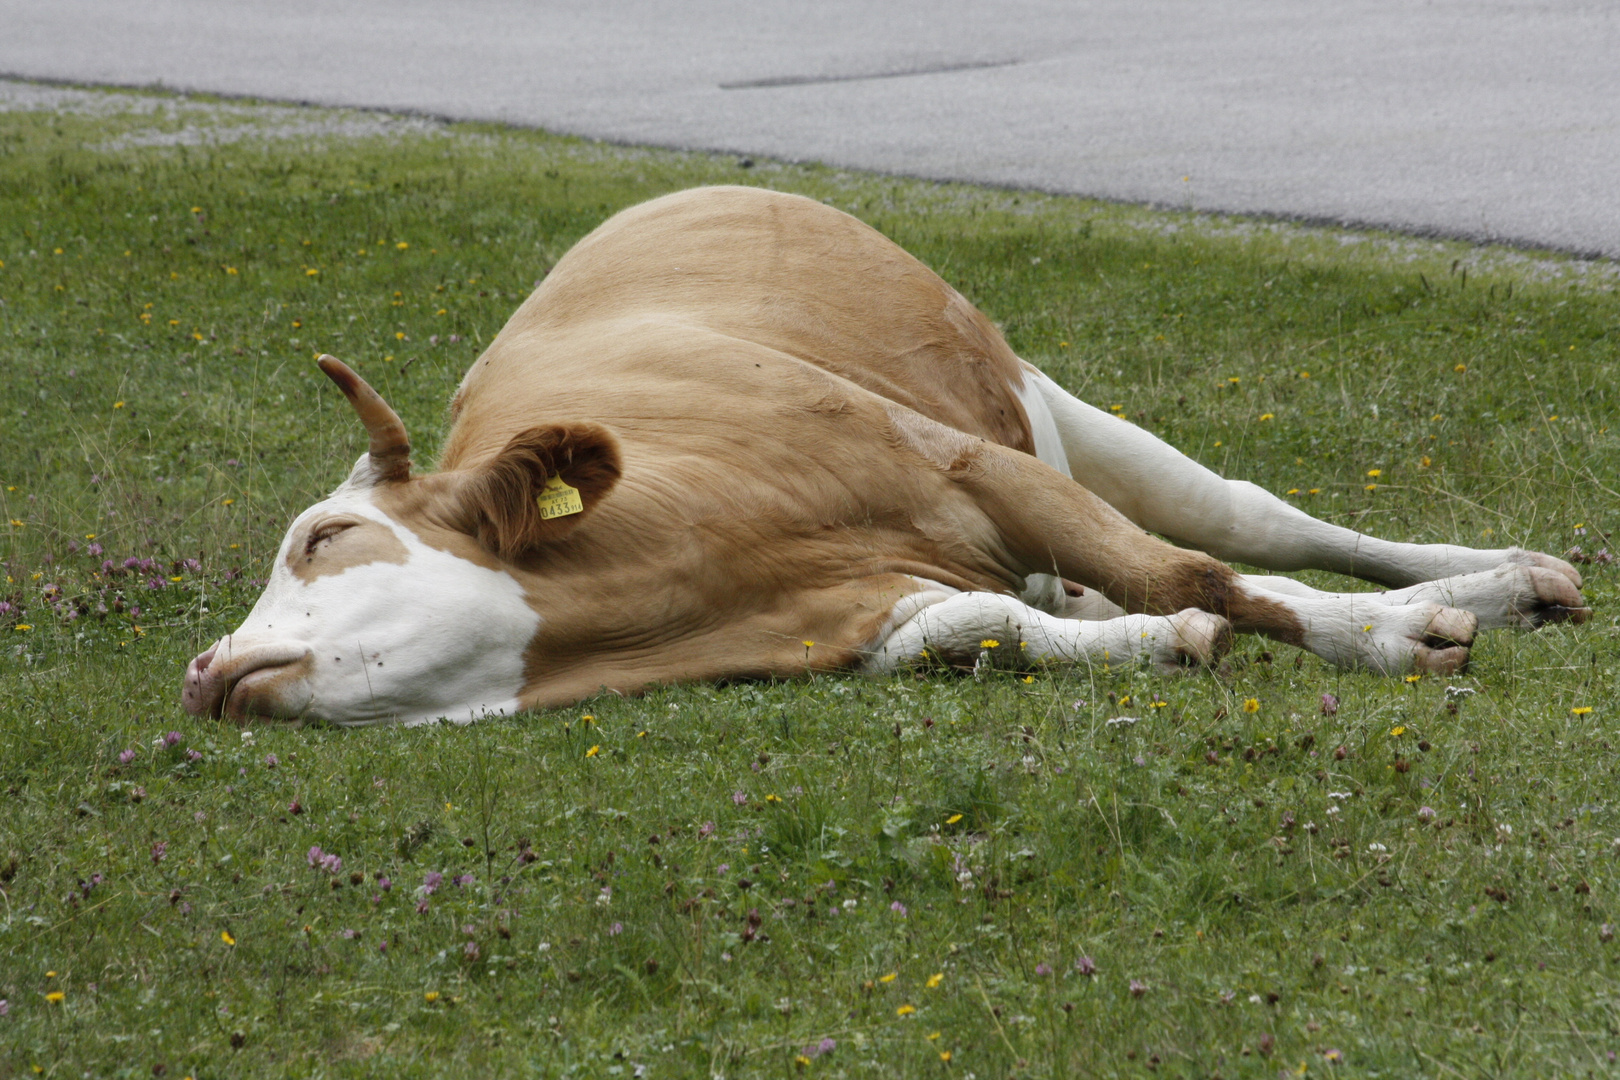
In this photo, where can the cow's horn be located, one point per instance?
(390, 446)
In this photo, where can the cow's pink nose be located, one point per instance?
(194, 694)
(211, 677)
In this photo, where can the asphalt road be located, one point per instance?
(1486, 119)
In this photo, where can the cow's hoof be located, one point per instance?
(1549, 596)
(1200, 638)
(1537, 560)
(1446, 641)
(1450, 626)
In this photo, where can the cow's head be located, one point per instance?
(399, 598)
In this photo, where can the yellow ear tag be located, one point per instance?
(557, 499)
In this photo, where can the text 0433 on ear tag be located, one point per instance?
(557, 499)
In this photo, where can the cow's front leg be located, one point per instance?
(963, 627)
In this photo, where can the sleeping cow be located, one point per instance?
(740, 434)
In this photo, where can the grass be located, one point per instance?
(840, 877)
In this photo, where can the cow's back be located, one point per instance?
(785, 272)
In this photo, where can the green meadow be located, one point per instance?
(1270, 868)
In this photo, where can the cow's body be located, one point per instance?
(797, 449)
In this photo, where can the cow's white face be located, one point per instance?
(362, 622)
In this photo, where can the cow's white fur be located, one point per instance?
(955, 625)
(378, 612)
(1163, 490)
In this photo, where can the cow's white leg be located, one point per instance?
(1163, 490)
(1508, 596)
(955, 627)
(1390, 632)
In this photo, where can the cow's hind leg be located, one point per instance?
(1163, 490)
(1524, 597)
(1511, 595)
(962, 627)
(1046, 523)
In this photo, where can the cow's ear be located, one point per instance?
(539, 487)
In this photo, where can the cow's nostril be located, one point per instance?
(213, 679)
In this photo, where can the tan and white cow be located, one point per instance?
(739, 434)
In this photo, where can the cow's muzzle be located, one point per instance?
(248, 681)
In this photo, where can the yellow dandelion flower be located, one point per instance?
(1304, 374)
(174, 322)
(228, 502)
(773, 798)
(1375, 472)
(431, 996)
(118, 404)
(933, 981)
(1233, 379)
(1460, 368)
(1029, 679)
(442, 311)
(16, 523)
(1370, 487)
(50, 974)
(196, 209)
(1293, 491)
(1251, 705)
(1398, 730)
(225, 936)
(231, 270)
(945, 1056)
(641, 734)
(23, 628)
(989, 643)
(1268, 416)
(801, 1061)
(1157, 704)
(593, 751)
(1581, 710)
(1314, 491)
(1061, 344)
(1217, 442)
(905, 1010)
(197, 334)
(890, 977)
(55, 997)
(1424, 462)
(588, 718)
(58, 251)
(311, 272)
(402, 245)
(1414, 677)
(399, 335)
(953, 819)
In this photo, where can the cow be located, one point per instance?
(738, 434)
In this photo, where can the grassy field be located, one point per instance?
(1276, 868)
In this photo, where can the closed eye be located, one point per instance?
(325, 532)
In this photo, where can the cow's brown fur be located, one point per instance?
(807, 420)
(351, 543)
